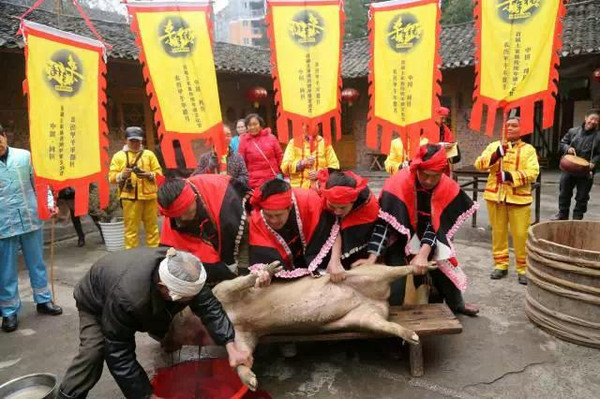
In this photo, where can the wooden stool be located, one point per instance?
(425, 320)
(376, 162)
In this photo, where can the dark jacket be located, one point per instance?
(583, 142)
(121, 290)
(236, 168)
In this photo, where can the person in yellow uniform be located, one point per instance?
(513, 168)
(135, 169)
(397, 158)
(302, 163)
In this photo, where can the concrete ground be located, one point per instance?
(500, 354)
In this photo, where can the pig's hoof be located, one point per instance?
(414, 339)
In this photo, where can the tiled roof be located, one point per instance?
(581, 35)
(228, 57)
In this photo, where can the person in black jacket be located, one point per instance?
(582, 141)
(139, 290)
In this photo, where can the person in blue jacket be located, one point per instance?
(21, 227)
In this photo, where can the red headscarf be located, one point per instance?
(437, 163)
(181, 203)
(341, 194)
(273, 202)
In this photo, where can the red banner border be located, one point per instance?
(527, 103)
(410, 133)
(81, 185)
(214, 133)
(297, 120)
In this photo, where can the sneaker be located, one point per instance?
(497, 274)
(522, 279)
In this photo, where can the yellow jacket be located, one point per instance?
(324, 158)
(143, 189)
(521, 162)
(396, 157)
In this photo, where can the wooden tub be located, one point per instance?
(563, 271)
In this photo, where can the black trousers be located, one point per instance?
(86, 369)
(568, 183)
(444, 286)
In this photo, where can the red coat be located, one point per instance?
(258, 168)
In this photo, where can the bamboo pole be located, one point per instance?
(52, 258)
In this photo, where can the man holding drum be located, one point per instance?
(583, 142)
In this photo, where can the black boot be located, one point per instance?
(49, 308)
(81, 242)
(560, 216)
(522, 279)
(10, 323)
(497, 274)
(577, 216)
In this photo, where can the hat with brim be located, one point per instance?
(134, 133)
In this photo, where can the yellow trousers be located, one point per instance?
(502, 217)
(136, 211)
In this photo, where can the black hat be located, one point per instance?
(134, 133)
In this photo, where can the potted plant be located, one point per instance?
(110, 219)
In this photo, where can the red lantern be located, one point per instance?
(596, 75)
(349, 95)
(256, 95)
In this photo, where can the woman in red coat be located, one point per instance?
(261, 151)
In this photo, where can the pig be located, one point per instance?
(306, 305)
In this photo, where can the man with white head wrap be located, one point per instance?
(139, 290)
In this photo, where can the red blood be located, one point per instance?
(202, 379)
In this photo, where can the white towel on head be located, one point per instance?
(178, 288)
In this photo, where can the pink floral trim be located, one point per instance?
(299, 222)
(279, 238)
(293, 273)
(326, 247)
(257, 267)
(392, 221)
(459, 221)
(283, 273)
(240, 233)
(454, 273)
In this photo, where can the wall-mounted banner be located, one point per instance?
(306, 52)
(517, 44)
(66, 83)
(175, 42)
(404, 75)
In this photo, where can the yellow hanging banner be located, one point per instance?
(517, 46)
(65, 83)
(404, 72)
(306, 42)
(176, 53)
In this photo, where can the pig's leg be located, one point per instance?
(246, 341)
(372, 318)
(226, 288)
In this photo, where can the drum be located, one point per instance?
(574, 165)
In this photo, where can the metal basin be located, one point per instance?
(32, 386)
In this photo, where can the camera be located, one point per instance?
(135, 169)
(128, 185)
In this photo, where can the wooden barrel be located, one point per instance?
(563, 272)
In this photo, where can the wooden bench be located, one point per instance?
(425, 320)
